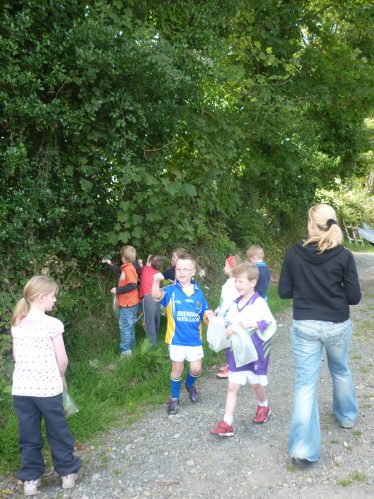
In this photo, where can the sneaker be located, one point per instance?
(30, 487)
(68, 481)
(192, 393)
(301, 463)
(346, 426)
(262, 414)
(223, 373)
(223, 430)
(126, 353)
(173, 406)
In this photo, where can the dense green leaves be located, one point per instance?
(164, 123)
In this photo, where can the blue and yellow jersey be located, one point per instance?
(184, 313)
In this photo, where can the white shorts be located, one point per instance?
(244, 377)
(179, 353)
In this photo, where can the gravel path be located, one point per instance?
(165, 457)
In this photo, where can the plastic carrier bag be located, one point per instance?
(243, 347)
(216, 334)
(115, 305)
(70, 407)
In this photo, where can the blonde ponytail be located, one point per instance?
(36, 286)
(330, 234)
(20, 311)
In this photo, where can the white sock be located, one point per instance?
(263, 404)
(228, 419)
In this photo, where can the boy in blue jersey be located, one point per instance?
(186, 308)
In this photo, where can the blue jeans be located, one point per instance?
(127, 317)
(308, 339)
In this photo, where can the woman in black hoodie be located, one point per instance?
(321, 277)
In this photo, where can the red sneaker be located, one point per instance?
(223, 430)
(223, 373)
(262, 414)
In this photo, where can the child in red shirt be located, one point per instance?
(151, 309)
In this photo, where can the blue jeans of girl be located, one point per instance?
(127, 317)
(308, 339)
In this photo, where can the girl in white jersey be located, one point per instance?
(228, 295)
(38, 382)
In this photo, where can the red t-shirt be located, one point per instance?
(146, 280)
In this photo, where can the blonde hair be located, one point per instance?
(178, 252)
(324, 216)
(36, 286)
(256, 251)
(247, 269)
(128, 252)
(237, 260)
(233, 261)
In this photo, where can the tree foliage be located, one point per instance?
(163, 123)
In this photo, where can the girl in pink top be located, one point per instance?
(38, 382)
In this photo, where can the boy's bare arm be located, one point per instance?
(156, 290)
(149, 260)
(248, 325)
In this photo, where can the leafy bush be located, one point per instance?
(354, 202)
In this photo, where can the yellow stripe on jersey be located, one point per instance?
(170, 330)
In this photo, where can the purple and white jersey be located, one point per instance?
(256, 310)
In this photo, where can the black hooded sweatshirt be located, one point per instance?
(322, 285)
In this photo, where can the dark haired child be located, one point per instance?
(151, 309)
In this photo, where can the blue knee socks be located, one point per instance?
(175, 387)
(190, 380)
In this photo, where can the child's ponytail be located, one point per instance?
(20, 311)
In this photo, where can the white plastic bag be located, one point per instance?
(216, 334)
(243, 347)
(70, 407)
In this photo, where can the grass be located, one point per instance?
(276, 304)
(364, 370)
(356, 432)
(359, 248)
(345, 482)
(108, 390)
(356, 476)
(334, 441)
